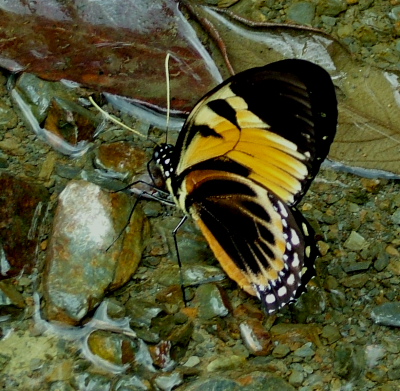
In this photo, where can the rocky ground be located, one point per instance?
(341, 335)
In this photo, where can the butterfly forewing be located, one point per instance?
(246, 155)
(278, 121)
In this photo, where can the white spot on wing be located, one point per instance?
(296, 260)
(269, 299)
(282, 291)
(290, 280)
(295, 238)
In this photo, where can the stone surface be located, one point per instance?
(22, 207)
(90, 250)
(387, 314)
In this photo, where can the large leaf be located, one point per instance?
(112, 46)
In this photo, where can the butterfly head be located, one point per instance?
(163, 157)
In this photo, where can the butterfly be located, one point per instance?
(245, 157)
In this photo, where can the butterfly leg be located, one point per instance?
(126, 224)
(174, 232)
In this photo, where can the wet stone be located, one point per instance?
(105, 345)
(61, 386)
(8, 118)
(356, 281)
(225, 363)
(192, 361)
(12, 146)
(141, 313)
(265, 382)
(167, 382)
(396, 217)
(161, 355)
(355, 241)
(3, 162)
(56, 107)
(305, 351)
(296, 378)
(90, 252)
(11, 294)
(376, 375)
(210, 302)
(387, 314)
(171, 298)
(216, 384)
(391, 343)
(22, 207)
(255, 337)
(67, 171)
(350, 267)
(281, 350)
(131, 383)
(331, 7)
(394, 374)
(348, 363)
(302, 12)
(122, 157)
(296, 335)
(331, 333)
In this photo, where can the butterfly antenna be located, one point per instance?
(168, 94)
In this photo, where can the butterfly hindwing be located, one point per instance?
(254, 235)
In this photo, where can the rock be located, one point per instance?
(296, 335)
(167, 382)
(302, 12)
(296, 378)
(210, 302)
(348, 362)
(387, 314)
(21, 210)
(55, 105)
(225, 363)
(122, 157)
(305, 351)
(281, 351)
(396, 217)
(331, 333)
(215, 384)
(116, 349)
(355, 242)
(356, 281)
(12, 146)
(14, 297)
(255, 337)
(8, 118)
(331, 7)
(192, 361)
(90, 251)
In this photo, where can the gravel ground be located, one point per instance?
(332, 339)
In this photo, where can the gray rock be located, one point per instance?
(302, 12)
(387, 314)
(90, 250)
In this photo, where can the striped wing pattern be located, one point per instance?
(247, 154)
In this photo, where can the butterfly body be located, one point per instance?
(246, 155)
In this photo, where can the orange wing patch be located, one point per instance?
(269, 267)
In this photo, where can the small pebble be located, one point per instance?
(387, 314)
